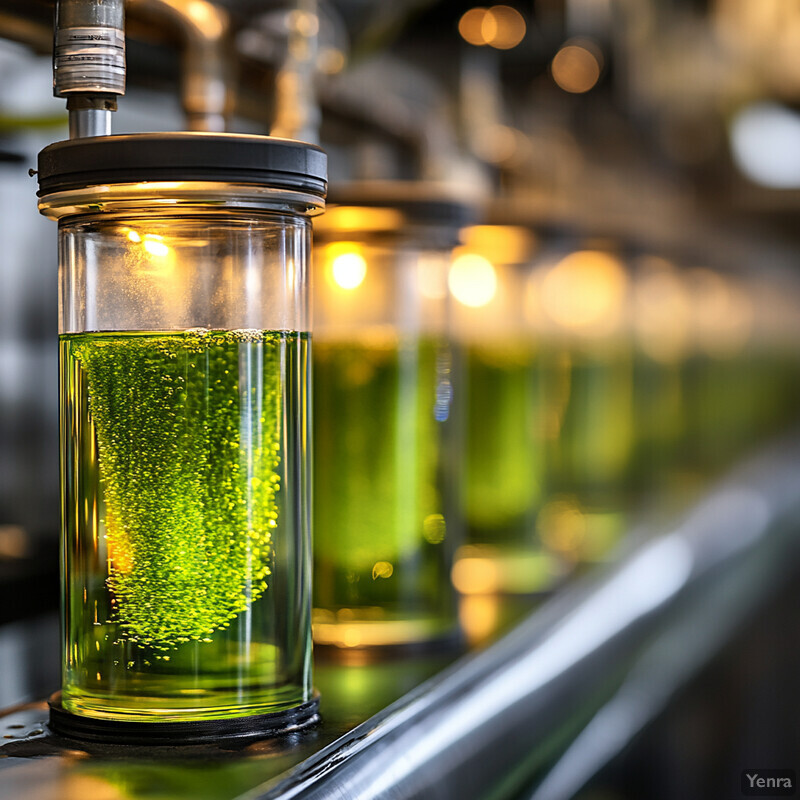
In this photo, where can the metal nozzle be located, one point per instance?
(89, 62)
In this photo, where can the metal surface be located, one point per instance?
(89, 54)
(500, 720)
(539, 711)
(34, 763)
(85, 122)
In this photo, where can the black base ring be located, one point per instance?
(211, 731)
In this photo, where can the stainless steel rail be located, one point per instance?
(555, 699)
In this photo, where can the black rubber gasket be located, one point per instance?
(260, 726)
(182, 156)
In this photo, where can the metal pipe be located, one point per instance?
(297, 114)
(84, 122)
(206, 82)
(503, 715)
(89, 62)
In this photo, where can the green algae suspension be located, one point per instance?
(176, 455)
(188, 463)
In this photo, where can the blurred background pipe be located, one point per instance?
(297, 113)
(207, 80)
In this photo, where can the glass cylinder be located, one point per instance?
(504, 466)
(385, 521)
(184, 372)
(578, 296)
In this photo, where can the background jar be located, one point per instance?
(504, 465)
(386, 422)
(184, 371)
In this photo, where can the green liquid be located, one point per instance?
(183, 469)
(504, 464)
(380, 413)
(589, 393)
(660, 421)
(504, 468)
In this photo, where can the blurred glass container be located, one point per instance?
(184, 367)
(578, 296)
(504, 460)
(722, 392)
(742, 378)
(660, 325)
(385, 419)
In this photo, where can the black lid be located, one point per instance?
(420, 202)
(181, 156)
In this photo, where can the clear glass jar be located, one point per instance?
(579, 299)
(504, 465)
(385, 521)
(184, 372)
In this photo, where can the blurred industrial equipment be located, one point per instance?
(624, 329)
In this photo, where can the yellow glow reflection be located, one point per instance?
(502, 244)
(586, 291)
(155, 247)
(479, 616)
(347, 633)
(476, 575)
(382, 569)
(472, 280)
(349, 270)
(153, 256)
(347, 267)
(576, 67)
(206, 17)
(358, 219)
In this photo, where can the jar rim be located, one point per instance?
(178, 196)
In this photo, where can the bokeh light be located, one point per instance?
(472, 280)
(501, 27)
(576, 67)
(586, 291)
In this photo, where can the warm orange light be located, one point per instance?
(479, 616)
(470, 26)
(155, 247)
(349, 270)
(501, 27)
(472, 280)
(346, 266)
(504, 27)
(501, 244)
(339, 220)
(576, 67)
(586, 292)
(476, 575)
